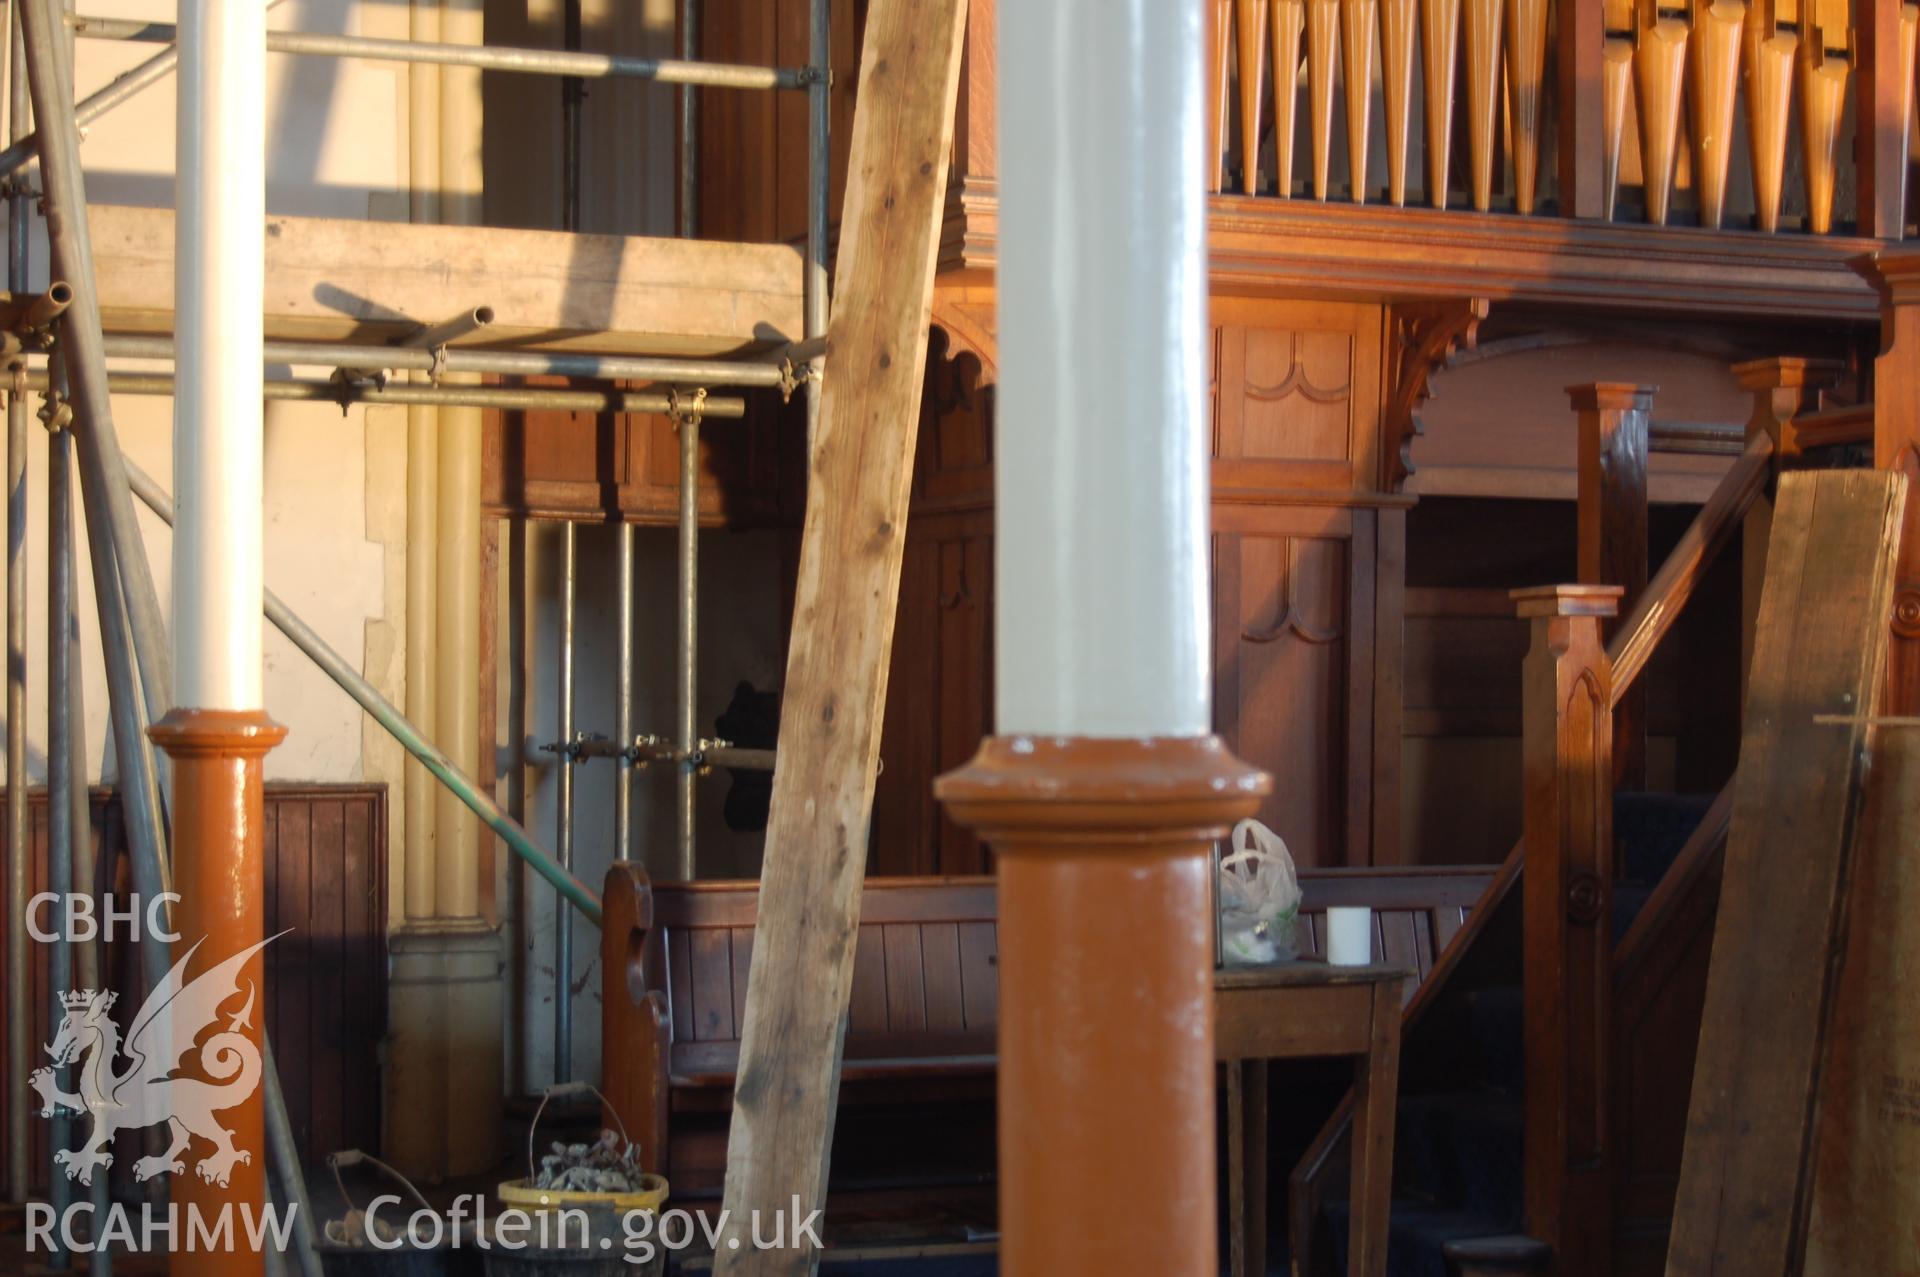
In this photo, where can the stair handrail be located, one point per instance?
(1653, 614)
(1834, 427)
(1697, 857)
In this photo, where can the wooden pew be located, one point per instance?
(924, 1006)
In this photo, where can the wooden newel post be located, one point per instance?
(1780, 388)
(1567, 685)
(1614, 420)
(1106, 993)
(1896, 446)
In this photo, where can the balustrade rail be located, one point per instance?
(1719, 113)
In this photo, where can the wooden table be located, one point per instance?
(1302, 1010)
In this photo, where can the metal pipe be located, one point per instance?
(347, 393)
(623, 692)
(563, 923)
(689, 124)
(19, 1027)
(430, 338)
(91, 959)
(812, 348)
(285, 1163)
(65, 203)
(48, 306)
(819, 180)
(688, 634)
(139, 788)
(91, 108)
(651, 749)
(573, 92)
(587, 66)
(451, 329)
(60, 777)
(746, 760)
(514, 363)
(335, 667)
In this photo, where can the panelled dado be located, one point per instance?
(1308, 545)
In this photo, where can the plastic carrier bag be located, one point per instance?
(1259, 898)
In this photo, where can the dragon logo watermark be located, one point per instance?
(130, 1084)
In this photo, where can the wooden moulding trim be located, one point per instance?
(1834, 427)
(1894, 272)
(1274, 247)
(1622, 396)
(1309, 497)
(1569, 600)
(1787, 370)
(217, 733)
(1082, 790)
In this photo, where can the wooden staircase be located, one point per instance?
(1541, 1123)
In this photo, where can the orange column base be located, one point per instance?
(1106, 994)
(219, 874)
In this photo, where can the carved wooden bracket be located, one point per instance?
(971, 326)
(954, 373)
(1423, 338)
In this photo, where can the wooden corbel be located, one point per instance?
(971, 325)
(1423, 338)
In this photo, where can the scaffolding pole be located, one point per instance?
(397, 725)
(19, 1028)
(61, 781)
(563, 840)
(345, 394)
(623, 692)
(65, 697)
(687, 632)
(99, 443)
(689, 124)
(819, 183)
(585, 66)
(120, 89)
(440, 359)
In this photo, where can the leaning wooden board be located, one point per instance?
(1819, 650)
(844, 603)
(1867, 1172)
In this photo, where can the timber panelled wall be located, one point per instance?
(326, 994)
(1308, 571)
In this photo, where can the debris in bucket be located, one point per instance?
(608, 1165)
(358, 1230)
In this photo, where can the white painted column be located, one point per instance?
(1101, 462)
(219, 293)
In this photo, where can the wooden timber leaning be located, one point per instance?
(925, 1000)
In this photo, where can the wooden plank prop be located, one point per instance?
(844, 603)
(1819, 651)
(1867, 1167)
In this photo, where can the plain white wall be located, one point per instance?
(337, 148)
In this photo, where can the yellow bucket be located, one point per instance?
(519, 1192)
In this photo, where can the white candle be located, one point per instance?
(1350, 937)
